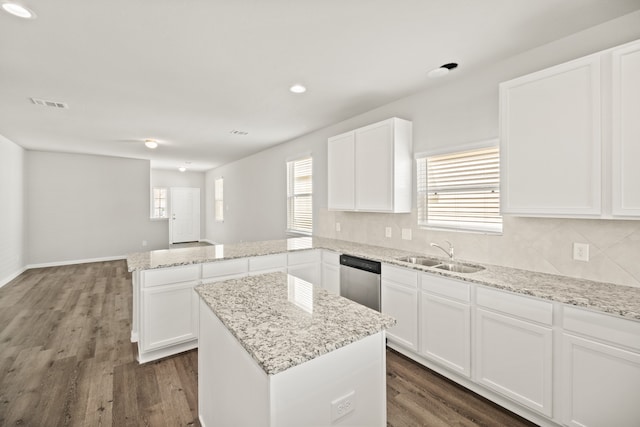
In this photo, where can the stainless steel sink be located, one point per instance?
(460, 268)
(429, 262)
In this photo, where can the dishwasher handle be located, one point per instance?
(374, 267)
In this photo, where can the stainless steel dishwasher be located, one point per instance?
(360, 280)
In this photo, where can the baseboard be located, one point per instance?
(211, 242)
(10, 277)
(77, 261)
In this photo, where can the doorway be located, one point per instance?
(184, 215)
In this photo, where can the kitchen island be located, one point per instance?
(275, 350)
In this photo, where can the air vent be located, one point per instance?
(238, 132)
(46, 103)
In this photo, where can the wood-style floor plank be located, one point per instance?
(66, 360)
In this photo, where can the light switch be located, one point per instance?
(406, 234)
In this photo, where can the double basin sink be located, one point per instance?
(455, 267)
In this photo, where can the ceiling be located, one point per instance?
(188, 73)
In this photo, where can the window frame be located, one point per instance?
(153, 203)
(291, 196)
(218, 197)
(422, 191)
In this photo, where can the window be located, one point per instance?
(218, 198)
(460, 190)
(299, 195)
(159, 203)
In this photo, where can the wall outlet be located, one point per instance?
(406, 234)
(387, 232)
(144, 243)
(337, 226)
(581, 251)
(343, 405)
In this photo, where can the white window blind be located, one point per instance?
(300, 195)
(460, 190)
(159, 204)
(218, 197)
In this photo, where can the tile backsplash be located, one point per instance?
(537, 244)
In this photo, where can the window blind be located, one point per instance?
(460, 190)
(300, 195)
(218, 196)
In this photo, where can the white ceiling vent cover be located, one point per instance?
(238, 132)
(46, 103)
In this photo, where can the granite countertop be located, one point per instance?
(605, 297)
(283, 321)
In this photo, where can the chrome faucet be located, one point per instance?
(448, 252)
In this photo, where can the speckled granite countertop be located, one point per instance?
(605, 297)
(283, 321)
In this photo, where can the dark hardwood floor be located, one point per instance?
(66, 360)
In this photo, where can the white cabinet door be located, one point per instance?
(311, 272)
(551, 141)
(445, 332)
(331, 278)
(267, 264)
(514, 357)
(602, 384)
(401, 303)
(170, 316)
(341, 176)
(626, 131)
(374, 167)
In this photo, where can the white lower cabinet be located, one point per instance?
(600, 370)
(400, 300)
(445, 322)
(170, 316)
(305, 265)
(268, 264)
(513, 348)
(331, 272)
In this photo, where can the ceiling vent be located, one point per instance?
(238, 132)
(46, 103)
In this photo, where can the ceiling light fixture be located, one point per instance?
(298, 88)
(443, 70)
(151, 143)
(18, 10)
(182, 169)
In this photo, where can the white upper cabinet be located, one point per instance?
(570, 138)
(626, 130)
(550, 141)
(341, 175)
(370, 168)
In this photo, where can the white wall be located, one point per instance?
(83, 207)
(174, 178)
(255, 192)
(463, 110)
(12, 225)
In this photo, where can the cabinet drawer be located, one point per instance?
(331, 258)
(602, 326)
(267, 262)
(400, 275)
(303, 257)
(164, 276)
(446, 287)
(224, 268)
(515, 305)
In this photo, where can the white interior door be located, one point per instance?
(184, 218)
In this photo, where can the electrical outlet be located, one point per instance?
(387, 232)
(581, 251)
(343, 405)
(406, 234)
(337, 226)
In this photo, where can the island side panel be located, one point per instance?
(303, 395)
(232, 388)
(135, 310)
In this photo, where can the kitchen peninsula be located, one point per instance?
(292, 352)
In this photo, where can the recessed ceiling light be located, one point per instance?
(18, 10)
(182, 169)
(151, 143)
(298, 88)
(442, 70)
